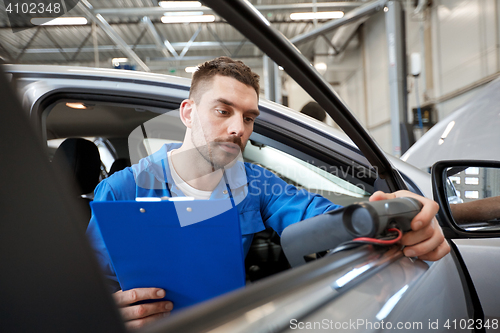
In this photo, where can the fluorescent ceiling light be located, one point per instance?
(117, 61)
(179, 4)
(59, 21)
(191, 69)
(188, 19)
(182, 13)
(317, 15)
(321, 66)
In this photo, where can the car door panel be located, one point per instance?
(479, 254)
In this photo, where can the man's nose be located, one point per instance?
(237, 126)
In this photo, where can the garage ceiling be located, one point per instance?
(132, 28)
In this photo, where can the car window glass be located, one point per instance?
(151, 135)
(303, 174)
(473, 195)
(106, 155)
(157, 127)
(295, 171)
(152, 145)
(98, 122)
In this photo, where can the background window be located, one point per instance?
(471, 180)
(472, 171)
(472, 194)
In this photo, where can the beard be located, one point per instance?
(221, 151)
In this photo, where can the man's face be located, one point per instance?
(224, 120)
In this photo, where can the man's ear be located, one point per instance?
(187, 112)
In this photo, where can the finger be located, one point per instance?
(415, 237)
(379, 195)
(124, 298)
(139, 323)
(426, 246)
(429, 209)
(438, 253)
(426, 215)
(145, 310)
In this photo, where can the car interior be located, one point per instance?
(124, 131)
(82, 159)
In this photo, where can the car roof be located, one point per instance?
(82, 78)
(111, 74)
(470, 132)
(45, 74)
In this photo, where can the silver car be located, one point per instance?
(469, 132)
(127, 113)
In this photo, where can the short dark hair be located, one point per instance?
(224, 66)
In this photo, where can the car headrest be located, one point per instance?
(83, 160)
(119, 164)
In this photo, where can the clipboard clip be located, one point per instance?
(156, 199)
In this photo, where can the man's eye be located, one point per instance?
(249, 120)
(221, 111)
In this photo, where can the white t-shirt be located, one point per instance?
(187, 189)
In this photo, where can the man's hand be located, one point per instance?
(136, 316)
(426, 240)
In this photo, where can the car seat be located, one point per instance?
(119, 164)
(81, 158)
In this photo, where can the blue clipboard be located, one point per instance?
(174, 246)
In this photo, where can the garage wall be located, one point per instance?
(351, 85)
(297, 97)
(377, 81)
(365, 88)
(464, 44)
(459, 42)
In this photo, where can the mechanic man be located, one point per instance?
(219, 118)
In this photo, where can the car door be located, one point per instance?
(339, 282)
(296, 294)
(426, 288)
(49, 280)
(473, 231)
(255, 27)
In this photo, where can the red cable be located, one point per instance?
(380, 241)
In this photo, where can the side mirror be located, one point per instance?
(468, 193)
